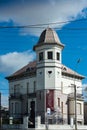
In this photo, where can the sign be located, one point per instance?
(48, 111)
(50, 99)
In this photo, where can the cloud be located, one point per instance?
(84, 86)
(4, 100)
(11, 62)
(28, 13)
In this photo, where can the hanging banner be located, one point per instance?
(50, 99)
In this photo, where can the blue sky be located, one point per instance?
(16, 43)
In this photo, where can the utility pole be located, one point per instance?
(75, 107)
(75, 96)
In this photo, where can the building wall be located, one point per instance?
(21, 85)
(80, 110)
(60, 103)
(18, 91)
(68, 83)
(85, 113)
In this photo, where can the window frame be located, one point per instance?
(41, 56)
(50, 55)
(58, 56)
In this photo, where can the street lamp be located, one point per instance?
(75, 97)
(75, 107)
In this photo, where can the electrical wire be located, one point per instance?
(46, 24)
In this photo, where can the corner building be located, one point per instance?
(45, 87)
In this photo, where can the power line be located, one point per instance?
(46, 24)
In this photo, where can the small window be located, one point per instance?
(62, 107)
(58, 102)
(58, 56)
(34, 86)
(50, 55)
(12, 108)
(78, 108)
(40, 56)
(27, 87)
(17, 89)
(62, 87)
(16, 107)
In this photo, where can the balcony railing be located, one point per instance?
(15, 96)
(78, 95)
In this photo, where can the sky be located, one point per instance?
(21, 23)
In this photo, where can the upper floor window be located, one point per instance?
(34, 86)
(61, 86)
(58, 102)
(79, 108)
(27, 87)
(12, 108)
(50, 55)
(58, 56)
(40, 56)
(62, 107)
(16, 107)
(17, 89)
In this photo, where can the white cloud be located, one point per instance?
(49, 11)
(13, 61)
(84, 87)
(4, 100)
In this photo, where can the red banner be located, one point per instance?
(50, 99)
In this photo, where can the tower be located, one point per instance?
(48, 57)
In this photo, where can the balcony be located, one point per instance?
(31, 95)
(78, 95)
(15, 96)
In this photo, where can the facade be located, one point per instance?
(45, 87)
(85, 113)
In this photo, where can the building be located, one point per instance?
(45, 87)
(85, 113)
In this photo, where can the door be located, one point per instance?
(32, 115)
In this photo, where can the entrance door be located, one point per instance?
(32, 115)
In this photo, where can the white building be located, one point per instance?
(46, 85)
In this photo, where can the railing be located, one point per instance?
(78, 95)
(15, 96)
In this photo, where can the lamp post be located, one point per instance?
(75, 107)
(75, 97)
(75, 93)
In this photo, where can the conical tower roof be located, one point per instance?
(48, 36)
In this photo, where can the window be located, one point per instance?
(61, 86)
(50, 55)
(34, 86)
(62, 107)
(78, 108)
(40, 56)
(16, 89)
(16, 107)
(39, 95)
(58, 102)
(27, 88)
(12, 108)
(58, 56)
